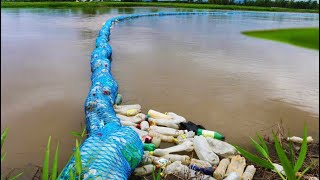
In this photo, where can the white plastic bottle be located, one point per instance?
(186, 146)
(176, 118)
(140, 132)
(221, 148)
(167, 131)
(144, 170)
(128, 110)
(221, 169)
(128, 123)
(236, 165)
(144, 125)
(158, 115)
(161, 136)
(135, 119)
(164, 122)
(178, 169)
(232, 176)
(249, 173)
(156, 141)
(176, 157)
(204, 151)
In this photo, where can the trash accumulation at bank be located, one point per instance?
(217, 159)
(122, 140)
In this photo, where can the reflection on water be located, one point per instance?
(198, 66)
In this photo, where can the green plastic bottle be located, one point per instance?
(211, 134)
(149, 147)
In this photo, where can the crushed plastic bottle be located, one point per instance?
(190, 126)
(127, 110)
(158, 115)
(236, 165)
(164, 122)
(221, 169)
(249, 173)
(221, 148)
(176, 157)
(176, 118)
(202, 166)
(177, 168)
(128, 123)
(279, 168)
(167, 131)
(204, 151)
(140, 132)
(144, 170)
(186, 146)
(182, 138)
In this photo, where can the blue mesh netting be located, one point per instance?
(111, 151)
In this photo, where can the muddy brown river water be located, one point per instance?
(200, 67)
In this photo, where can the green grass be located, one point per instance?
(145, 4)
(303, 37)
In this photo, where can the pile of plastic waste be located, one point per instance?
(217, 159)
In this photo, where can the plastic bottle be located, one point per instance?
(140, 132)
(221, 148)
(156, 141)
(162, 137)
(144, 170)
(202, 166)
(236, 165)
(232, 176)
(221, 169)
(128, 110)
(211, 134)
(249, 173)
(130, 106)
(164, 122)
(182, 138)
(158, 115)
(167, 131)
(118, 99)
(149, 147)
(299, 140)
(279, 168)
(204, 151)
(186, 146)
(135, 119)
(175, 157)
(127, 123)
(178, 169)
(144, 125)
(147, 139)
(176, 118)
(190, 126)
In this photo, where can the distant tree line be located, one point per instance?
(297, 4)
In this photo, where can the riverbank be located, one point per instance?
(303, 37)
(146, 4)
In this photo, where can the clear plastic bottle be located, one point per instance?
(176, 157)
(144, 125)
(186, 146)
(204, 151)
(162, 137)
(144, 170)
(167, 131)
(164, 122)
(236, 165)
(158, 115)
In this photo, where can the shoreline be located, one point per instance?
(149, 4)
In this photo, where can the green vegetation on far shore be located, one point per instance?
(147, 4)
(303, 37)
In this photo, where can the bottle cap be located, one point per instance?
(199, 132)
(147, 117)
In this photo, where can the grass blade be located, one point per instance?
(260, 149)
(71, 175)
(55, 164)
(263, 143)
(303, 151)
(153, 175)
(45, 169)
(307, 169)
(3, 156)
(76, 134)
(4, 136)
(292, 157)
(78, 159)
(255, 159)
(16, 176)
(287, 166)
